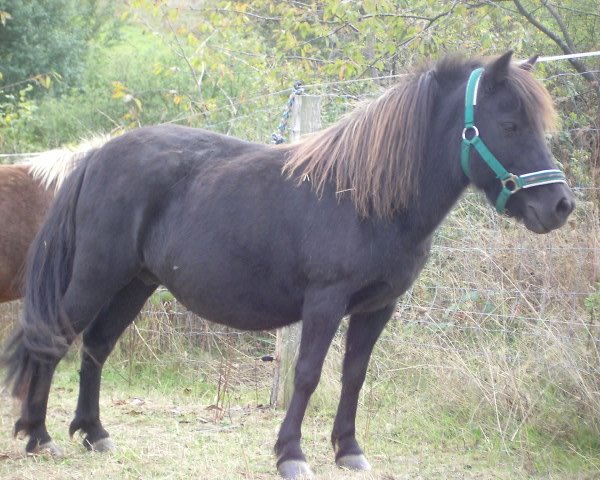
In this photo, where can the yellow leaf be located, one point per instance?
(4, 16)
(118, 90)
(173, 14)
(192, 40)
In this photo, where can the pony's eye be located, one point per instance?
(509, 127)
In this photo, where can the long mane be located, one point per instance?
(374, 153)
(51, 168)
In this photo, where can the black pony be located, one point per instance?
(258, 237)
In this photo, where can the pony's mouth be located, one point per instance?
(535, 224)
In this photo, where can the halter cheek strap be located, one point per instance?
(511, 183)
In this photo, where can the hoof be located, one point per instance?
(48, 447)
(354, 462)
(103, 445)
(295, 470)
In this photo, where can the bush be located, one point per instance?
(39, 38)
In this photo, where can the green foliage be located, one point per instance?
(218, 64)
(101, 103)
(236, 51)
(39, 38)
(337, 40)
(161, 297)
(592, 303)
(14, 108)
(43, 50)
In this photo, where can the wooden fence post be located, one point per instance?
(305, 118)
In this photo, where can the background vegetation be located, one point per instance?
(491, 368)
(73, 69)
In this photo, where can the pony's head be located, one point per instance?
(504, 151)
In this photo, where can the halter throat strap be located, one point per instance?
(511, 183)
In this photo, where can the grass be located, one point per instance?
(167, 424)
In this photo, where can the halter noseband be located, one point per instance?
(511, 183)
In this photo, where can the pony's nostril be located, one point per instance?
(564, 207)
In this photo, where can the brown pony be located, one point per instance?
(26, 191)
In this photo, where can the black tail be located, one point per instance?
(45, 333)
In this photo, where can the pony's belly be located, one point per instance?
(242, 309)
(244, 317)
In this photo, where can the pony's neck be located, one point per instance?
(442, 181)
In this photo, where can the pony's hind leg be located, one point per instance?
(98, 341)
(81, 304)
(363, 332)
(34, 406)
(35, 372)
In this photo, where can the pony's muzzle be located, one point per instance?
(545, 215)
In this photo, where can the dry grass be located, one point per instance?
(176, 437)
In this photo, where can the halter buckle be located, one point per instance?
(511, 183)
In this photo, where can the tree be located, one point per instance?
(39, 38)
(567, 24)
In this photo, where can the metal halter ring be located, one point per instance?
(511, 183)
(466, 129)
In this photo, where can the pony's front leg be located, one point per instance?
(322, 313)
(363, 332)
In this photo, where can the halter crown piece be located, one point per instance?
(511, 183)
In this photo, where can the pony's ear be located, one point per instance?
(497, 71)
(529, 64)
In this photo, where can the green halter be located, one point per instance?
(511, 183)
